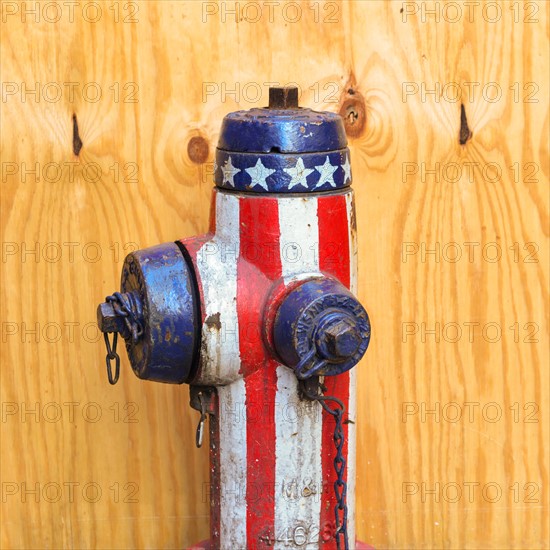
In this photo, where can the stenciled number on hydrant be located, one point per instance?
(259, 317)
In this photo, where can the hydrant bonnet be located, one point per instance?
(282, 149)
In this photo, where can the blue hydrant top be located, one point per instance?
(282, 148)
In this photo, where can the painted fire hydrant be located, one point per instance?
(259, 317)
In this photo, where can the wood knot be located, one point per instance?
(465, 132)
(353, 112)
(77, 142)
(198, 149)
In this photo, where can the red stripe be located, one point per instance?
(334, 260)
(259, 264)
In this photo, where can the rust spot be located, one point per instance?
(213, 321)
(77, 142)
(353, 112)
(465, 132)
(198, 149)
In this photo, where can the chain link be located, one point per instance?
(123, 308)
(340, 486)
(112, 355)
(132, 328)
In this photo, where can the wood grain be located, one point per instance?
(166, 78)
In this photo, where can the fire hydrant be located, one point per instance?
(259, 317)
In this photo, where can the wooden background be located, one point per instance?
(116, 467)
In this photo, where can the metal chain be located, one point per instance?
(132, 328)
(112, 354)
(340, 486)
(123, 308)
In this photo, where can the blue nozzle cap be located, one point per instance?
(321, 329)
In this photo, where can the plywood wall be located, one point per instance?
(453, 392)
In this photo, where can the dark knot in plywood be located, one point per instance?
(77, 142)
(198, 149)
(465, 132)
(354, 112)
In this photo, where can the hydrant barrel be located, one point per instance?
(253, 315)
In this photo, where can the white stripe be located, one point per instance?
(350, 207)
(298, 475)
(233, 471)
(352, 404)
(299, 237)
(217, 265)
(298, 424)
(351, 459)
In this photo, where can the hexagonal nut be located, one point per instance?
(342, 339)
(108, 320)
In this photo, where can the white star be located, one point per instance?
(327, 173)
(258, 174)
(347, 170)
(298, 174)
(229, 172)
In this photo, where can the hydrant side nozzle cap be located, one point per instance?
(164, 280)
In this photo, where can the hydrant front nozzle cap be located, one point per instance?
(320, 323)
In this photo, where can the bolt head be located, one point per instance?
(342, 339)
(107, 320)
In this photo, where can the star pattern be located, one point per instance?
(298, 174)
(229, 172)
(347, 170)
(327, 174)
(321, 175)
(258, 174)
